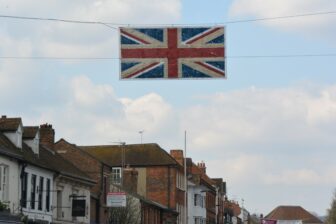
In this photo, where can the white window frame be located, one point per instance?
(4, 179)
(116, 175)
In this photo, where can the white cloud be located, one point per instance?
(84, 40)
(91, 113)
(270, 118)
(321, 25)
(302, 177)
(12, 76)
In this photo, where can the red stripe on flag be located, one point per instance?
(172, 53)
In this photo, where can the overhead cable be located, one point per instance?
(116, 25)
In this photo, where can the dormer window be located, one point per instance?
(31, 137)
(12, 128)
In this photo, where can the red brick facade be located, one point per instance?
(96, 170)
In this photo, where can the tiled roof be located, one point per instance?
(52, 161)
(195, 170)
(135, 155)
(9, 124)
(292, 213)
(30, 132)
(8, 148)
(46, 159)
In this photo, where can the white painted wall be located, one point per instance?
(34, 144)
(36, 214)
(195, 211)
(289, 222)
(244, 215)
(15, 137)
(12, 194)
(63, 213)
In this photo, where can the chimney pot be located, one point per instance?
(47, 135)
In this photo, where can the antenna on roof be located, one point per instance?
(141, 133)
(123, 159)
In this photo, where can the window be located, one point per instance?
(40, 194)
(48, 195)
(59, 204)
(4, 182)
(24, 185)
(199, 220)
(180, 210)
(180, 180)
(116, 176)
(32, 191)
(105, 188)
(198, 200)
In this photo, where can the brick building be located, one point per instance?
(202, 194)
(106, 168)
(220, 186)
(160, 176)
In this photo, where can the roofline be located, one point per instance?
(79, 147)
(168, 164)
(11, 155)
(89, 182)
(66, 173)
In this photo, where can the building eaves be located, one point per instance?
(150, 154)
(9, 124)
(29, 132)
(81, 150)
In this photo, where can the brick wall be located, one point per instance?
(130, 179)
(92, 168)
(161, 185)
(47, 135)
(81, 160)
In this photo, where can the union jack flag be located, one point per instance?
(172, 52)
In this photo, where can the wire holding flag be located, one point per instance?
(172, 53)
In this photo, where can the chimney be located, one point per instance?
(130, 179)
(3, 116)
(177, 154)
(202, 167)
(47, 135)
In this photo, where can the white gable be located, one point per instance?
(16, 137)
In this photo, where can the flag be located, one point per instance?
(268, 221)
(150, 53)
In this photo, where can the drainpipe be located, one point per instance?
(101, 192)
(168, 205)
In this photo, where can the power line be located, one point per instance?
(284, 56)
(58, 20)
(58, 58)
(281, 17)
(117, 58)
(116, 25)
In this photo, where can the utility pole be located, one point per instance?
(185, 180)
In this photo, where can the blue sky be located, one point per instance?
(268, 129)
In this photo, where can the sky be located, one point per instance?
(268, 129)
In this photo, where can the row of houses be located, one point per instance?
(48, 181)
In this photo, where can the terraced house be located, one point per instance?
(160, 176)
(104, 164)
(44, 187)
